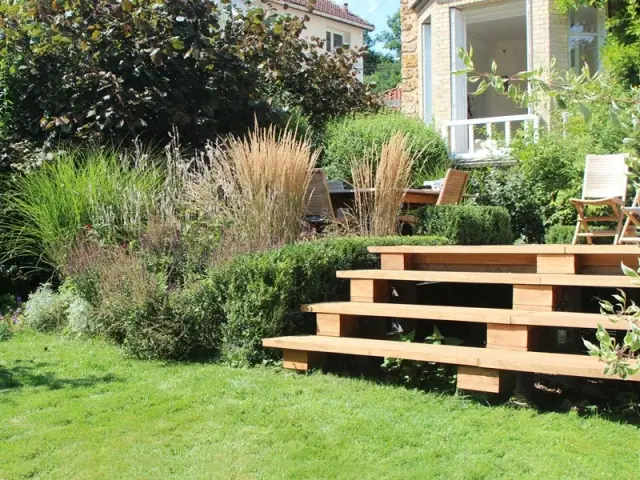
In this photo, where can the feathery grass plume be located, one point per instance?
(258, 184)
(377, 214)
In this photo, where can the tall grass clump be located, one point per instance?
(99, 191)
(377, 213)
(257, 184)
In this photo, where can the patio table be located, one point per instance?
(413, 197)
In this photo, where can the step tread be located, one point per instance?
(512, 249)
(537, 362)
(467, 314)
(612, 281)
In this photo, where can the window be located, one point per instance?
(334, 40)
(586, 33)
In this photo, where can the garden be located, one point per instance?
(156, 159)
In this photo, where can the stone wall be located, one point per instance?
(410, 78)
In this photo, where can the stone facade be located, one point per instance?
(550, 32)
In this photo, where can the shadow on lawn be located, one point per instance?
(32, 375)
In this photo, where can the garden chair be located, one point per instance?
(319, 208)
(605, 184)
(632, 222)
(451, 192)
(455, 182)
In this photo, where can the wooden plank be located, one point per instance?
(536, 362)
(557, 263)
(473, 259)
(365, 290)
(510, 249)
(613, 281)
(396, 261)
(478, 379)
(470, 249)
(302, 360)
(468, 314)
(336, 325)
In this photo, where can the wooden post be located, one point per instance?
(336, 325)
(543, 298)
(301, 360)
(557, 263)
(483, 379)
(396, 261)
(369, 291)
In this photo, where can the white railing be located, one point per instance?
(455, 131)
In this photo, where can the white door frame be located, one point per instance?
(459, 141)
(427, 75)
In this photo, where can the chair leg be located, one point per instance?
(581, 224)
(618, 213)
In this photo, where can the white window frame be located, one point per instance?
(331, 47)
(600, 35)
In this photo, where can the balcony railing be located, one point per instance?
(460, 135)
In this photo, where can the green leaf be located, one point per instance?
(585, 112)
(629, 272)
(177, 43)
(561, 103)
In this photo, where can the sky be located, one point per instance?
(374, 11)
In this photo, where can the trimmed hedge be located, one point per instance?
(560, 234)
(466, 224)
(259, 295)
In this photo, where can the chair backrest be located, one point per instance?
(455, 181)
(605, 176)
(318, 200)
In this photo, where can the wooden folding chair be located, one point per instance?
(453, 186)
(605, 184)
(629, 232)
(319, 208)
(455, 181)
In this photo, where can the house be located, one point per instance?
(328, 20)
(518, 34)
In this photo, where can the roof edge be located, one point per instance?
(364, 25)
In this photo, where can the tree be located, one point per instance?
(120, 69)
(391, 38)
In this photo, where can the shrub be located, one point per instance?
(508, 188)
(118, 70)
(45, 309)
(466, 224)
(99, 192)
(354, 137)
(560, 234)
(259, 295)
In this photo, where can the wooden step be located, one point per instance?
(512, 249)
(601, 281)
(536, 362)
(467, 314)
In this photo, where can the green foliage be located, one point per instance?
(466, 224)
(352, 137)
(423, 375)
(622, 358)
(560, 234)
(99, 192)
(387, 75)
(124, 69)
(391, 38)
(509, 189)
(259, 295)
(46, 309)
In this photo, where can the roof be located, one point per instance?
(393, 98)
(334, 10)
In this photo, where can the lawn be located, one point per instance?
(79, 409)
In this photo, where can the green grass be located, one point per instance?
(75, 409)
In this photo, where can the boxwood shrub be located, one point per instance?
(562, 234)
(466, 224)
(352, 137)
(259, 295)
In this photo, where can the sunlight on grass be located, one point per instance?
(78, 409)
